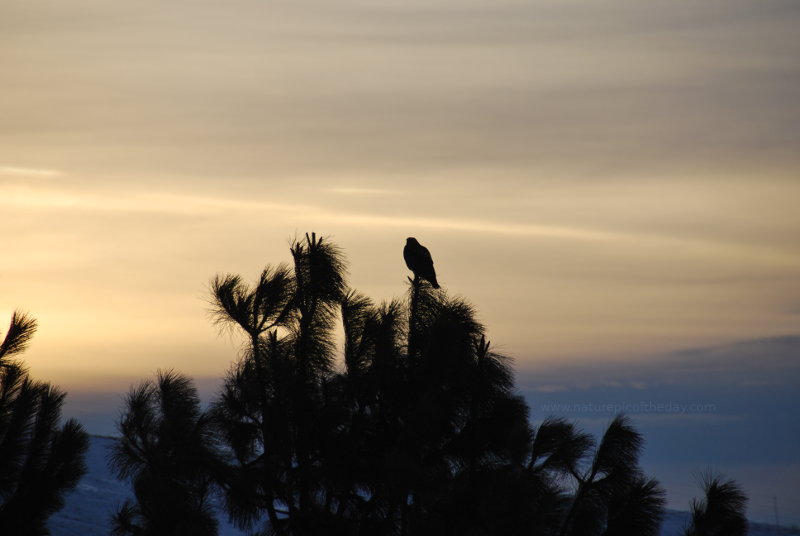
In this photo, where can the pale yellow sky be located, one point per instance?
(603, 180)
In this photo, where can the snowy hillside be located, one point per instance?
(90, 506)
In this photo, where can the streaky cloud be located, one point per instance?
(29, 172)
(198, 205)
(362, 191)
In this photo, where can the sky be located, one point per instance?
(613, 184)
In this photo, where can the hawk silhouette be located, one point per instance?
(418, 259)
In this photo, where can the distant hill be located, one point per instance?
(90, 506)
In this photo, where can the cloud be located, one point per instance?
(29, 172)
(512, 86)
(176, 204)
(688, 418)
(697, 408)
(188, 204)
(550, 388)
(752, 363)
(179, 204)
(362, 191)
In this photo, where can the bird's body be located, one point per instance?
(418, 259)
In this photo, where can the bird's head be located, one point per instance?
(411, 240)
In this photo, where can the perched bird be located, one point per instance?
(418, 259)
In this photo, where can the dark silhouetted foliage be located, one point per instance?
(721, 511)
(166, 450)
(40, 460)
(420, 433)
(417, 430)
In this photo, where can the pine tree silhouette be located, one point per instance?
(421, 433)
(721, 511)
(416, 431)
(40, 460)
(166, 450)
(613, 497)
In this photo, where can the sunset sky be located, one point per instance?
(614, 184)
